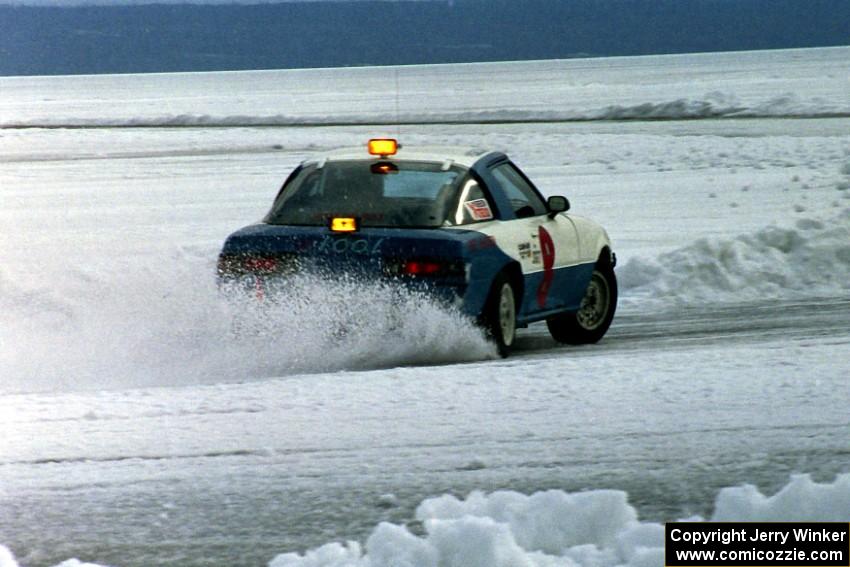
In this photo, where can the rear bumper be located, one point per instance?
(264, 259)
(269, 287)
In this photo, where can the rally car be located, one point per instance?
(463, 225)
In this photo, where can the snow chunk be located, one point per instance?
(394, 545)
(6, 558)
(388, 500)
(802, 500)
(329, 555)
(642, 545)
(549, 521)
(476, 542)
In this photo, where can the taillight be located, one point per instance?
(424, 268)
(260, 264)
(242, 264)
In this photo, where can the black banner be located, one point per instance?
(757, 544)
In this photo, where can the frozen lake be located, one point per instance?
(136, 430)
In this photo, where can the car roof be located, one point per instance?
(463, 156)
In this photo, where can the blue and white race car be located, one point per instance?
(465, 226)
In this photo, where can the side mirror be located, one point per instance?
(557, 204)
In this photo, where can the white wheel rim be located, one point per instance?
(595, 304)
(507, 314)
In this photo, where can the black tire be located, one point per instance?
(591, 321)
(499, 317)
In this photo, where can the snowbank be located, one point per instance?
(809, 259)
(8, 560)
(556, 529)
(709, 105)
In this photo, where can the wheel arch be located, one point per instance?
(606, 257)
(514, 273)
(491, 317)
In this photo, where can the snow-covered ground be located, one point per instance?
(137, 430)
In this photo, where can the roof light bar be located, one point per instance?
(383, 147)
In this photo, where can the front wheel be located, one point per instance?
(594, 316)
(499, 318)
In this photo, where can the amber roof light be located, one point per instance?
(383, 147)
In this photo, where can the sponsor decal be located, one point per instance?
(547, 251)
(338, 245)
(479, 209)
(536, 256)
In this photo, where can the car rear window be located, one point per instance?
(379, 193)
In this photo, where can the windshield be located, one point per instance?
(379, 193)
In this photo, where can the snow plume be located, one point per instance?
(139, 325)
(342, 322)
(810, 259)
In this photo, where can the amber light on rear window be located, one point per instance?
(343, 224)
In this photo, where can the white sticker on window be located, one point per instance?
(479, 209)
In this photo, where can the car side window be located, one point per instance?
(473, 205)
(525, 200)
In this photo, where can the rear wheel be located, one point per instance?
(499, 320)
(594, 316)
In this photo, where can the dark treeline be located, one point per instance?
(191, 37)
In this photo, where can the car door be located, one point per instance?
(547, 247)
